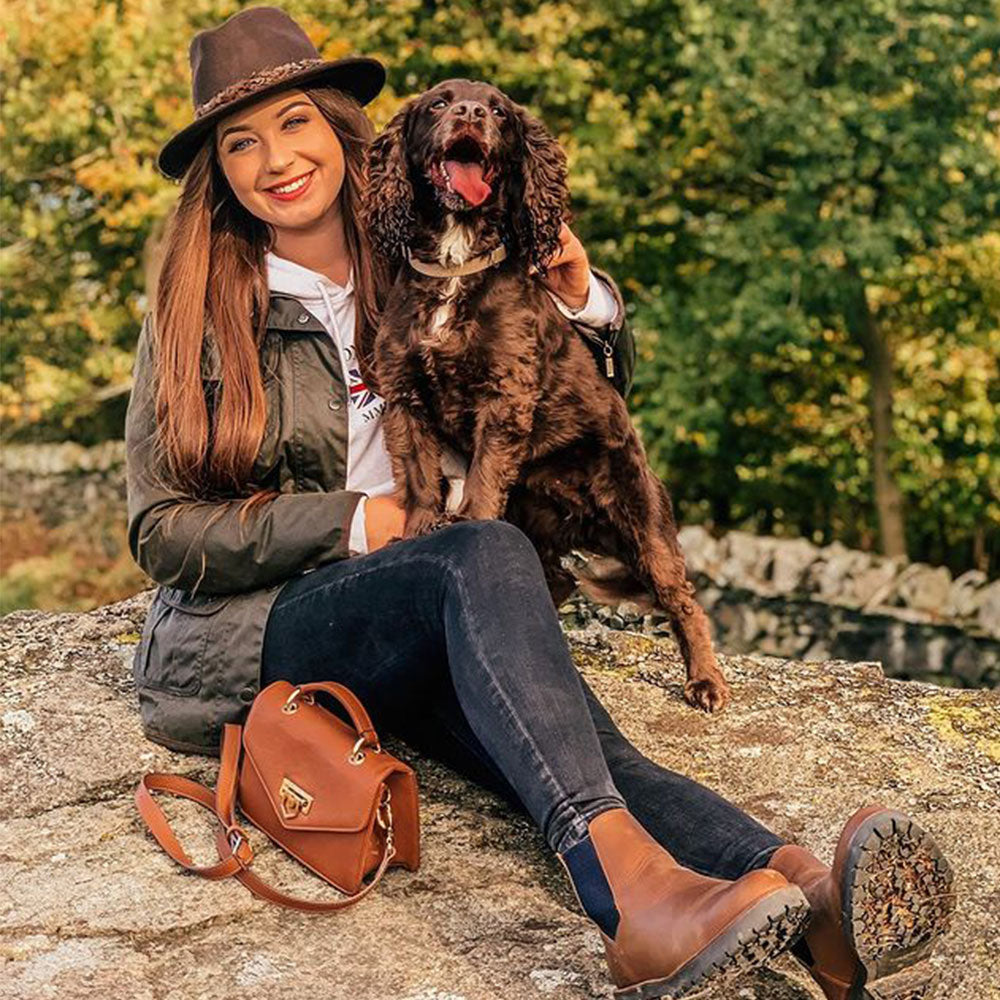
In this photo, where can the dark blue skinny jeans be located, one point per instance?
(452, 643)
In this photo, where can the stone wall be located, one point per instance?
(785, 597)
(60, 483)
(746, 622)
(93, 908)
(869, 583)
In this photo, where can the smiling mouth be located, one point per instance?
(464, 169)
(290, 187)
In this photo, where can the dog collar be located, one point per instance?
(469, 267)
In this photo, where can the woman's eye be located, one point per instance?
(300, 119)
(439, 103)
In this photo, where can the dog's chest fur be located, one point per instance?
(454, 249)
(458, 346)
(453, 338)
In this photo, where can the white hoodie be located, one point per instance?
(369, 469)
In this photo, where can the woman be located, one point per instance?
(261, 500)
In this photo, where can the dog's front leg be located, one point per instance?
(415, 452)
(502, 438)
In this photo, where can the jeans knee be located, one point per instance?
(495, 563)
(487, 543)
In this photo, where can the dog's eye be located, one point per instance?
(499, 112)
(439, 103)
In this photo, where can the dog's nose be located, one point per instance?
(469, 110)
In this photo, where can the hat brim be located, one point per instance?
(359, 76)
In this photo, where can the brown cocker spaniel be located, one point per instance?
(483, 361)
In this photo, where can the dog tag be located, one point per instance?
(609, 364)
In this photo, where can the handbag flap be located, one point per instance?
(303, 756)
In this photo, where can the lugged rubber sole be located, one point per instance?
(897, 899)
(916, 983)
(758, 934)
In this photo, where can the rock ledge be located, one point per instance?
(92, 907)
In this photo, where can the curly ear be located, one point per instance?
(539, 194)
(387, 207)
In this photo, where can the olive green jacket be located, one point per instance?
(197, 664)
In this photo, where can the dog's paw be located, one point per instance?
(434, 522)
(710, 694)
(422, 522)
(451, 517)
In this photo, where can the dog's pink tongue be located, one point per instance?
(467, 180)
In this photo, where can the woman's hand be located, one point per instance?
(384, 519)
(568, 274)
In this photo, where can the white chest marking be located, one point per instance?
(454, 249)
(456, 244)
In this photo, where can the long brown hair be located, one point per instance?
(213, 284)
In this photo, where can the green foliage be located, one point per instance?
(83, 114)
(745, 172)
(815, 151)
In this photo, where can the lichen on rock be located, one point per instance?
(93, 907)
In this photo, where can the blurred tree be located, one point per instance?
(815, 150)
(87, 101)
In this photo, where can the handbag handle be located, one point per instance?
(350, 701)
(234, 848)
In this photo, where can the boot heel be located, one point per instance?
(915, 983)
(759, 934)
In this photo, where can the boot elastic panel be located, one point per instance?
(592, 886)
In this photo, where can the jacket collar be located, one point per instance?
(291, 286)
(285, 312)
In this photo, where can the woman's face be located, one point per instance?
(282, 159)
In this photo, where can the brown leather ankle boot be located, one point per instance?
(675, 931)
(874, 916)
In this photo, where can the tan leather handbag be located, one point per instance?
(324, 791)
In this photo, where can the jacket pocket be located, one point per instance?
(176, 634)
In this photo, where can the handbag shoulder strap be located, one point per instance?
(234, 848)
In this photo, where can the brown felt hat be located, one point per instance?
(254, 53)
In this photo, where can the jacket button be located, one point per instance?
(304, 318)
(334, 404)
(248, 694)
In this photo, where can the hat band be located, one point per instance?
(251, 84)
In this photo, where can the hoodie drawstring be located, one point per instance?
(329, 308)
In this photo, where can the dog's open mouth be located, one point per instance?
(465, 169)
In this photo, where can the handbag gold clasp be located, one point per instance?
(356, 756)
(291, 705)
(294, 800)
(386, 824)
(384, 804)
